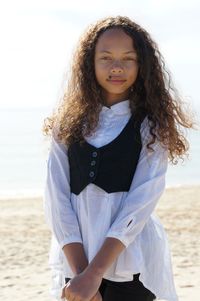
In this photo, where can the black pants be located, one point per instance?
(126, 291)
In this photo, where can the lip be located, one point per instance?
(116, 81)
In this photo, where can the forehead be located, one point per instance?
(114, 38)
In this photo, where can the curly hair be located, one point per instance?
(153, 94)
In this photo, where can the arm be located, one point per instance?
(59, 213)
(85, 285)
(107, 254)
(146, 189)
(76, 257)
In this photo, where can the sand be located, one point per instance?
(25, 240)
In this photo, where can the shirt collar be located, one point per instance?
(119, 108)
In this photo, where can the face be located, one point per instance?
(116, 65)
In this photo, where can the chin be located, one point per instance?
(117, 90)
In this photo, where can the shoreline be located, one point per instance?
(37, 194)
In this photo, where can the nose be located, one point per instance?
(116, 68)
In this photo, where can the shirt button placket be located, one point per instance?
(92, 172)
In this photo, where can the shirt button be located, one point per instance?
(94, 154)
(93, 162)
(91, 174)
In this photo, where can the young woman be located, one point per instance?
(116, 128)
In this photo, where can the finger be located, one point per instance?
(100, 298)
(67, 295)
(97, 297)
(63, 293)
(70, 296)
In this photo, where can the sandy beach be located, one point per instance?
(25, 240)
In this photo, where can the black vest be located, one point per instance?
(112, 166)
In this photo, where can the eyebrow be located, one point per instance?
(126, 52)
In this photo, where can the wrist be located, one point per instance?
(79, 269)
(93, 270)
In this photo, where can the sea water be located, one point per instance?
(24, 153)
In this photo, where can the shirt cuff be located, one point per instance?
(69, 240)
(117, 236)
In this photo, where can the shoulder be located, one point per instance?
(156, 158)
(56, 144)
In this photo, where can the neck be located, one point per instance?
(112, 99)
(113, 102)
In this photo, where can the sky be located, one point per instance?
(38, 38)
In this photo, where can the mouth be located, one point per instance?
(116, 81)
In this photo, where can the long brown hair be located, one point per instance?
(152, 94)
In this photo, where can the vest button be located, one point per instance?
(94, 154)
(91, 174)
(93, 162)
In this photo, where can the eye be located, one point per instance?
(129, 59)
(105, 58)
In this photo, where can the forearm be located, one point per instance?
(108, 253)
(76, 257)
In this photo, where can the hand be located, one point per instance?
(83, 287)
(96, 297)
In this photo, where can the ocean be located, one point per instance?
(24, 153)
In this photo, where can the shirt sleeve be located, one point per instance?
(59, 214)
(146, 188)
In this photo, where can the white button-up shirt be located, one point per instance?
(94, 214)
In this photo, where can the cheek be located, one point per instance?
(96, 69)
(100, 71)
(133, 72)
